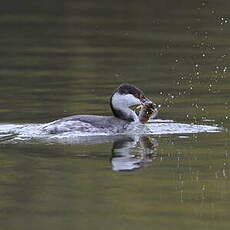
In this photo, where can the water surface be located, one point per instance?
(60, 58)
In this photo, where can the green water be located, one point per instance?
(60, 58)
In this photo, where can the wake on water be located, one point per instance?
(33, 133)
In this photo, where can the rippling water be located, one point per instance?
(27, 133)
(60, 58)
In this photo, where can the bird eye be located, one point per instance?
(141, 96)
(137, 95)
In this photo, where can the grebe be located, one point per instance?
(122, 99)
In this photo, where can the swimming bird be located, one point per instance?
(121, 101)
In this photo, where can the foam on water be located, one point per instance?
(15, 133)
(160, 127)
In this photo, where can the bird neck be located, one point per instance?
(121, 110)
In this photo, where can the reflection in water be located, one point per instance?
(130, 154)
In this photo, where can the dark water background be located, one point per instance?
(59, 58)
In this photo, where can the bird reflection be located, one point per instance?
(129, 153)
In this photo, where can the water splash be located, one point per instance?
(17, 133)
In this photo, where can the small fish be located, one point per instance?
(147, 111)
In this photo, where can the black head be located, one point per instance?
(126, 88)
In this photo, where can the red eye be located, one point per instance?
(137, 95)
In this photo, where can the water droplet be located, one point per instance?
(203, 187)
(224, 174)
